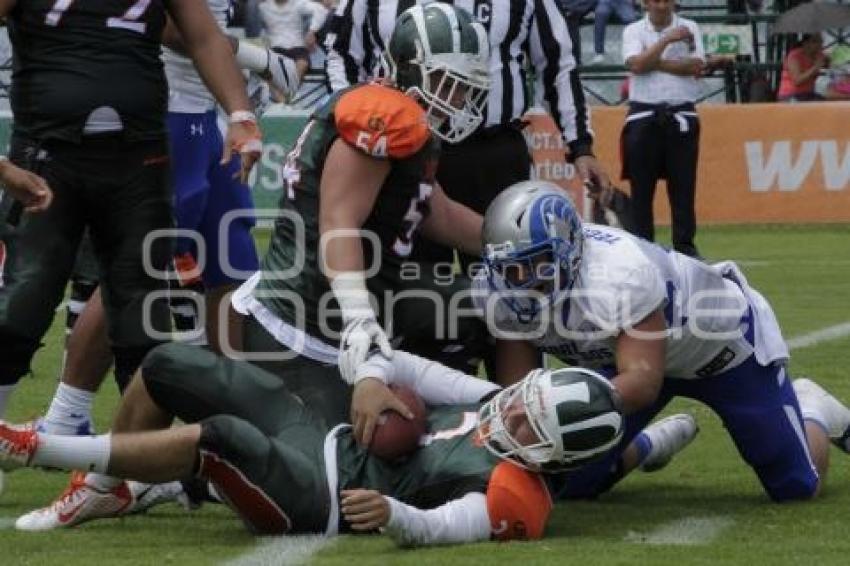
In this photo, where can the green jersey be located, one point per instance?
(74, 56)
(381, 122)
(449, 464)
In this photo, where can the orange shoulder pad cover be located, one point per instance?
(381, 121)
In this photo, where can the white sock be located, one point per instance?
(73, 452)
(5, 395)
(814, 415)
(70, 408)
(101, 481)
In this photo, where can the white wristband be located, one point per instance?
(350, 291)
(240, 116)
(252, 57)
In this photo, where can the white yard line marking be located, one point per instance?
(818, 336)
(795, 261)
(686, 531)
(282, 551)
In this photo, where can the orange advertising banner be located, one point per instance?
(757, 162)
(548, 153)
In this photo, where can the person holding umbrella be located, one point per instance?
(803, 63)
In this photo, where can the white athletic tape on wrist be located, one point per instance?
(240, 116)
(350, 291)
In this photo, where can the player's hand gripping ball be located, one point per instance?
(396, 437)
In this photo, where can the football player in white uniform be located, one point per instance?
(660, 325)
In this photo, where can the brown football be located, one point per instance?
(396, 437)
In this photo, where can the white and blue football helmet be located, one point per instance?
(533, 244)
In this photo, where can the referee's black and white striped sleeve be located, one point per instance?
(345, 46)
(557, 76)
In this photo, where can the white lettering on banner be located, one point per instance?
(551, 170)
(779, 168)
(836, 175)
(542, 140)
(271, 178)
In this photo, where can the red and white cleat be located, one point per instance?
(79, 503)
(18, 444)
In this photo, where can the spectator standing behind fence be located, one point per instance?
(284, 20)
(660, 138)
(800, 70)
(291, 28)
(626, 13)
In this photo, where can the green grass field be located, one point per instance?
(705, 508)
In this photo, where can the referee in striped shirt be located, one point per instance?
(475, 170)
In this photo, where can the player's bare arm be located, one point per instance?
(452, 223)
(351, 181)
(514, 359)
(6, 6)
(283, 72)
(640, 354)
(211, 52)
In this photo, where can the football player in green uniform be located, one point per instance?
(359, 183)
(284, 469)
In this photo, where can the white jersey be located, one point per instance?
(622, 280)
(187, 92)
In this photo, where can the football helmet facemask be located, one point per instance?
(533, 244)
(440, 56)
(573, 413)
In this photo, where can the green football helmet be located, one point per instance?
(440, 56)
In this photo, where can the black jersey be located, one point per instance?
(74, 56)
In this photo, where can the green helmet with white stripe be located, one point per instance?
(440, 56)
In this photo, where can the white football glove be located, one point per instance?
(359, 338)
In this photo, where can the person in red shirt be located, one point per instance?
(800, 70)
